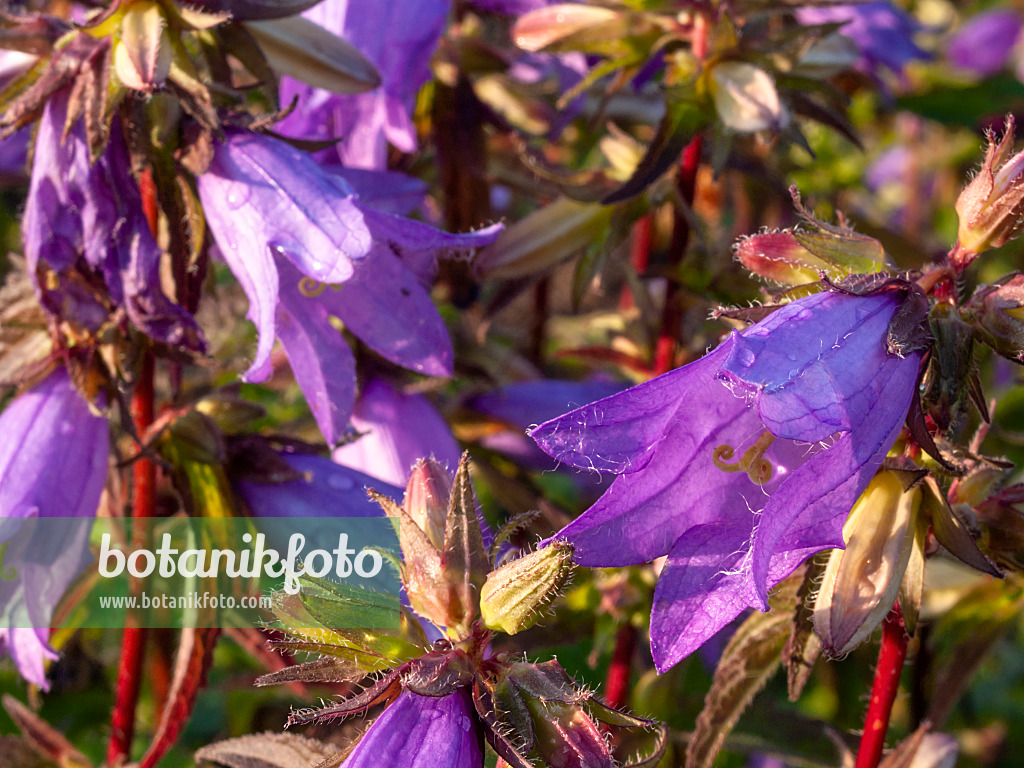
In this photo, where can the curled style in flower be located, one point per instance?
(740, 465)
(53, 463)
(305, 248)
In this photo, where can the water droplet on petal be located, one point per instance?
(746, 357)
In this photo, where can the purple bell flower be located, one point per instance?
(53, 463)
(399, 38)
(399, 429)
(304, 248)
(883, 33)
(742, 464)
(94, 210)
(984, 44)
(422, 731)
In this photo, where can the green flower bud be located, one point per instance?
(996, 312)
(515, 594)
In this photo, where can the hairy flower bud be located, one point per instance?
(778, 257)
(142, 58)
(426, 498)
(861, 582)
(996, 313)
(991, 206)
(514, 595)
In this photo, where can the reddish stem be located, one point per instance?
(133, 642)
(616, 685)
(639, 255)
(884, 689)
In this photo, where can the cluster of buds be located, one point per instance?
(525, 711)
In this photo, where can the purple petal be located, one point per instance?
(320, 357)
(29, 650)
(883, 33)
(420, 245)
(53, 458)
(384, 305)
(400, 429)
(700, 590)
(621, 433)
(422, 732)
(984, 44)
(399, 38)
(326, 490)
(261, 193)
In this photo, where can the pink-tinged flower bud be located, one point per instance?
(745, 98)
(426, 498)
(991, 206)
(515, 594)
(778, 257)
(142, 57)
(996, 313)
(862, 581)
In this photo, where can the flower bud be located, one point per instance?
(745, 98)
(990, 207)
(142, 57)
(426, 498)
(996, 312)
(543, 239)
(778, 257)
(546, 715)
(862, 581)
(514, 595)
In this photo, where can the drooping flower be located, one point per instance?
(398, 37)
(77, 209)
(740, 465)
(305, 249)
(422, 731)
(53, 463)
(883, 33)
(398, 428)
(983, 45)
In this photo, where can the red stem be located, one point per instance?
(133, 642)
(884, 689)
(616, 685)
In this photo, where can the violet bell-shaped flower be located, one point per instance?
(304, 249)
(422, 732)
(399, 38)
(883, 33)
(53, 463)
(984, 43)
(742, 464)
(397, 429)
(77, 208)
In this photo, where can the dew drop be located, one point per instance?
(746, 357)
(466, 723)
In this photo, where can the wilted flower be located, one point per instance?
(984, 44)
(991, 206)
(883, 33)
(396, 429)
(996, 313)
(53, 463)
(88, 216)
(304, 248)
(741, 464)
